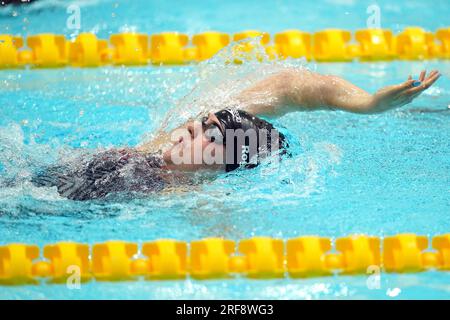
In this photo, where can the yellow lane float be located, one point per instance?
(247, 44)
(167, 259)
(217, 258)
(358, 253)
(48, 50)
(111, 261)
(442, 245)
(443, 51)
(9, 51)
(16, 263)
(209, 43)
(415, 44)
(375, 44)
(403, 253)
(88, 51)
(293, 44)
(66, 259)
(306, 256)
(169, 48)
(130, 49)
(263, 257)
(211, 258)
(332, 45)
(173, 48)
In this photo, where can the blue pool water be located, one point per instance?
(379, 174)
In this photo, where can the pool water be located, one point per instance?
(376, 174)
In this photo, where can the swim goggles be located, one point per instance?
(213, 132)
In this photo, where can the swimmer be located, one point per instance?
(235, 137)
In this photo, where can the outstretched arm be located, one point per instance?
(305, 90)
(293, 90)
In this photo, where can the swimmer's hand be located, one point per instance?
(399, 95)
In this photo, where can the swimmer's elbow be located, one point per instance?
(286, 81)
(296, 86)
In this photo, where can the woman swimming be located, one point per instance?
(225, 140)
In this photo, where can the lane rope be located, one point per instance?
(172, 48)
(218, 258)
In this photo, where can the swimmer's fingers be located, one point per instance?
(409, 95)
(422, 75)
(409, 84)
(426, 83)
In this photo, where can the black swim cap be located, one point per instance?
(248, 138)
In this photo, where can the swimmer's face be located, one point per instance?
(199, 145)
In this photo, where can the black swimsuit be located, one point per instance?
(107, 172)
